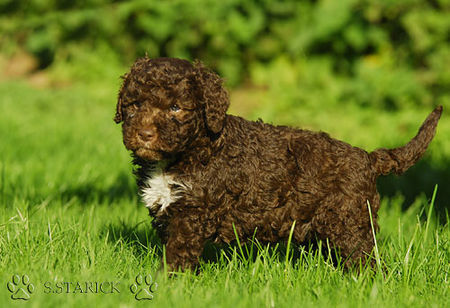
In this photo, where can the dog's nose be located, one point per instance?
(147, 134)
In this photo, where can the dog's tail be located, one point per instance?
(398, 160)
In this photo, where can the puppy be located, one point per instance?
(203, 174)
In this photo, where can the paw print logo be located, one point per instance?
(20, 288)
(143, 287)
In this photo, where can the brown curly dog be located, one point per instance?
(202, 173)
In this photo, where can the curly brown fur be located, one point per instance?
(203, 173)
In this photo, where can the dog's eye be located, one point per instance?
(175, 108)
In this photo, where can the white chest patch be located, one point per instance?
(160, 190)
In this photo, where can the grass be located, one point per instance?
(69, 213)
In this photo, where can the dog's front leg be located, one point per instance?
(185, 242)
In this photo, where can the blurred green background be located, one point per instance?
(367, 72)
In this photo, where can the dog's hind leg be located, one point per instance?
(347, 227)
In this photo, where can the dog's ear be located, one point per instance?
(119, 115)
(213, 96)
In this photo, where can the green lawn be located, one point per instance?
(69, 213)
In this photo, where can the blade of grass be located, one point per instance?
(238, 242)
(377, 253)
(429, 214)
(288, 248)
(407, 256)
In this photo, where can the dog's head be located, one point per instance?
(165, 104)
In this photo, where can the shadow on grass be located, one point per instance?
(418, 180)
(140, 237)
(123, 187)
(273, 252)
